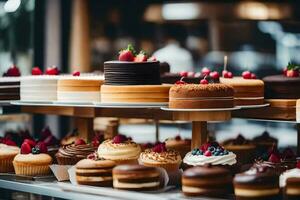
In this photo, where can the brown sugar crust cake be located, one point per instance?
(197, 96)
(135, 93)
(207, 181)
(246, 91)
(136, 177)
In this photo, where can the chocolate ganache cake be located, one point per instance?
(9, 88)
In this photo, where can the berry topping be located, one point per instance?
(9, 142)
(79, 141)
(148, 145)
(253, 76)
(92, 156)
(214, 148)
(214, 75)
(141, 57)
(180, 82)
(159, 147)
(203, 81)
(35, 150)
(292, 73)
(52, 70)
(191, 74)
(197, 75)
(32, 143)
(25, 148)
(97, 140)
(284, 71)
(51, 140)
(42, 147)
(274, 158)
(36, 71)
(177, 137)
(207, 153)
(227, 74)
(183, 74)
(119, 139)
(127, 54)
(298, 164)
(12, 71)
(246, 75)
(46, 132)
(292, 70)
(76, 73)
(152, 58)
(205, 71)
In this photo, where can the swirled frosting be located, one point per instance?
(126, 150)
(80, 151)
(169, 156)
(196, 160)
(292, 173)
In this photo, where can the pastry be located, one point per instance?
(136, 177)
(183, 146)
(95, 171)
(290, 183)
(9, 88)
(71, 154)
(198, 96)
(83, 88)
(7, 155)
(264, 142)
(258, 183)
(160, 156)
(120, 149)
(243, 149)
(211, 181)
(135, 94)
(246, 91)
(32, 160)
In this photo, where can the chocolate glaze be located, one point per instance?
(205, 171)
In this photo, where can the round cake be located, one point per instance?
(282, 87)
(246, 91)
(135, 94)
(201, 96)
(132, 73)
(79, 88)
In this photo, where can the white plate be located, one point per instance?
(200, 110)
(37, 103)
(130, 105)
(254, 106)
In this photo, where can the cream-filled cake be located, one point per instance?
(246, 91)
(39, 88)
(85, 88)
(9, 88)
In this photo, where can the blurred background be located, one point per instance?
(261, 36)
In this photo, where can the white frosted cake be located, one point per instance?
(84, 88)
(9, 88)
(39, 88)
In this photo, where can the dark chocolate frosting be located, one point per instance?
(206, 171)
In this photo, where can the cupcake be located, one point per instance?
(7, 155)
(33, 159)
(264, 142)
(243, 148)
(258, 183)
(208, 180)
(120, 149)
(183, 146)
(290, 183)
(95, 171)
(211, 153)
(71, 154)
(160, 156)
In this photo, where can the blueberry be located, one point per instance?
(35, 150)
(194, 151)
(221, 154)
(216, 153)
(199, 153)
(226, 152)
(211, 149)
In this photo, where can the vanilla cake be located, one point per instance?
(39, 88)
(79, 88)
(9, 88)
(135, 94)
(246, 91)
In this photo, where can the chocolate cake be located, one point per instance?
(9, 88)
(132, 73)
(282, 87)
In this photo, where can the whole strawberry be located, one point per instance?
(127, 54)
(36, 71)
(12, 71)
(141, 57)
(52, 70)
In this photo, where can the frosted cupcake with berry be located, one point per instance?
(120, 149)
(33, 159)
(210, 153)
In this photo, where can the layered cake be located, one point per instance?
(197, 96)
(246, 91)
(135, 94)
(79, 88)
(9, 88)
(290, 183)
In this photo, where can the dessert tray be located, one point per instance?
(200, 110)
(254, 106)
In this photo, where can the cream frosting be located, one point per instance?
(6, 150)
(256, 192)
(119, 151)
(135, 185)
(292, 173)
(196, 160)
(169, 156)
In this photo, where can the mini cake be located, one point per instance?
(183, 146)
(84, 88)
(246, 91)
(258, 183)
(71, 154)
(243, 148)
(120, 149)
(208, 181)
(197, 96)
(33, 160)
(264, 142)
(7, 155)
(136, 177)
(210, 153)
(95, 171)
(290, 182)
(9, 88)
(135, 94)
(160, 156)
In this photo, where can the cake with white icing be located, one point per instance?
(290, 182)
(9, 88)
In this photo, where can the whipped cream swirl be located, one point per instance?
(196, 160)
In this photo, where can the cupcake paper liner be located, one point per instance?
(6, 165)
(31, 170)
